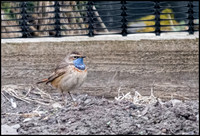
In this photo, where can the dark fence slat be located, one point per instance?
(157, 18)
(124, 20)
(23, 23)
(190, 17)
(90, 20)
(57, 19)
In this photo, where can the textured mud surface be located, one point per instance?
(134, 65)
(97, 115)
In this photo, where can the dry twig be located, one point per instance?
(17, 92)
(138, 98)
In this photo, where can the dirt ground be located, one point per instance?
(41, 113)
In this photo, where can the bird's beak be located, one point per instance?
(83, 56)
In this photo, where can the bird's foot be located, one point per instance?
(75, 103)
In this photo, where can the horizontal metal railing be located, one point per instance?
(27, 19)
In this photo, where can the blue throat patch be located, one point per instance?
(78, 63)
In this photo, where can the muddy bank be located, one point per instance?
(172, 65)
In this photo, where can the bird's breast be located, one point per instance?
(73, 79)
(79, 70)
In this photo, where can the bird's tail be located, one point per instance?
(42, 81)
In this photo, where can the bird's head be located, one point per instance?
(77, 59)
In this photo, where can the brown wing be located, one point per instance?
(54, 76)
(59, 71)
(42, 81)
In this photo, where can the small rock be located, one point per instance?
(175, 101)
(87, 101)
(164, 130)
(197, 117)
(14, 104)
(27, 119)
(56, 105)
(133, 106)
(9, 130)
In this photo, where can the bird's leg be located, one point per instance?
(70, 96)
(74, 102)
(63, 98)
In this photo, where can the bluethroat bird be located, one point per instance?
(68, 75)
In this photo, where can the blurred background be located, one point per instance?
(71, 18)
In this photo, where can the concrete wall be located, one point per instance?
(171, 64)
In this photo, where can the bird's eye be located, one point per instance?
(75, 57)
